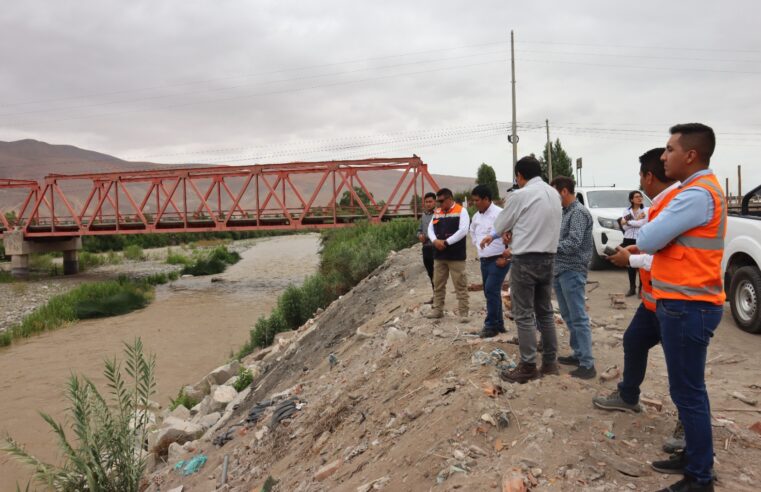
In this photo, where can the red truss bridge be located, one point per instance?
(297, 195)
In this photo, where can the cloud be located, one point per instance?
(175, 78)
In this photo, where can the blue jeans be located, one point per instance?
(643, 333)
(686, 330)
(570, 289)
(493, 277)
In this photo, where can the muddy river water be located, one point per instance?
(192, 326)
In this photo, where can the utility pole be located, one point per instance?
(549, 151)
(514, 133)
(739, 182)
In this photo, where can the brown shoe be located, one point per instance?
(521, 374)
(549, 369)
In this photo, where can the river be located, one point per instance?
(192, 326)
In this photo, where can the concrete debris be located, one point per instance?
(327, 470)
(376, 484)
(747, 400)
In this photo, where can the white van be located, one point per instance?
(606, 206)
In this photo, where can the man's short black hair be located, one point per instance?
(444, 193)
(564, 183)
(697, 137)
(430, 194)
(481, 191)
(650, 162)
(528, 167)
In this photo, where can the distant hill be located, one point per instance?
(32, 159)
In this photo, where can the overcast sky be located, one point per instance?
(273, 81)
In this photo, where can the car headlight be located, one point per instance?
(608, 223)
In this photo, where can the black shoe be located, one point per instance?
(675, 464)
(631, 292)
(584, 372)
(568, 360)
(488, 333)
(688, 484)
(501, 330)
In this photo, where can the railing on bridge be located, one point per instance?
(219, 198)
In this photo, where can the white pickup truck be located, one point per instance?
(742, 263)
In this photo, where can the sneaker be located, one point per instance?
(688, 484)
(521, 374)
(615, 402)
(435, 314)
(568, 360)
(675, 464)
(549, 369)
(584, 372)
(675, 443)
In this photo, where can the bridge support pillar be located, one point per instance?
(19, 249)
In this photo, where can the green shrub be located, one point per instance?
(41, 262)
(134, 252)
(245, 378)
(102, 457)
(173, 258)
(89, 260)
(182, 399)
(347, 256)
(212, 262)
(6, 338)
(6, 277)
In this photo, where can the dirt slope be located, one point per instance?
(403, 404)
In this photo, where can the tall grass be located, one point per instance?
(90, 300)
(347, 256)
(108, 430)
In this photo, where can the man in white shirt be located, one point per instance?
(447, 231)
(533, 214)
(493, 259)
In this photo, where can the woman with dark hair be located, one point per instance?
(634, 217)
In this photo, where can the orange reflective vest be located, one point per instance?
(690, 267)
(645, 277)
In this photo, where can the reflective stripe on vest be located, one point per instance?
(690, 267)
(648, 300)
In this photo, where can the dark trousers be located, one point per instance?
(428, 261)
(686, 330)
(531, 292)
(633, 272)
(493, 277)
(643, 333)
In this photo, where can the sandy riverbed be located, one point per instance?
(192, 326)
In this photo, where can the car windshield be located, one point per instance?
(611, 199)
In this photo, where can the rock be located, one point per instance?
(209, 420)
(395, 335)
(180, 412)
(221, 396)
(488, 418)
(222, 374)
(513, 482)
(328, 470)
(745, 399)
(175, 453)
(376, 484)
(194, 393)
(320, 442)
(284, 338)
(650, 402)
(756, 427)
(368, 330)
(459, 455)
(175, 430)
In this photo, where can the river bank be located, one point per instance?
(193, 325)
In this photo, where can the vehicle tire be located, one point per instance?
(598, 262)
(744, 293)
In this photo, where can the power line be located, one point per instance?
(671, 48)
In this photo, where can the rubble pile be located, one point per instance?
(370, 395)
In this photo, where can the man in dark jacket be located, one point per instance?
(429, 204)
(447, 231)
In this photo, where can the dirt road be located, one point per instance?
(192, 326)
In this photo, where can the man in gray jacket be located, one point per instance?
(533, 215)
